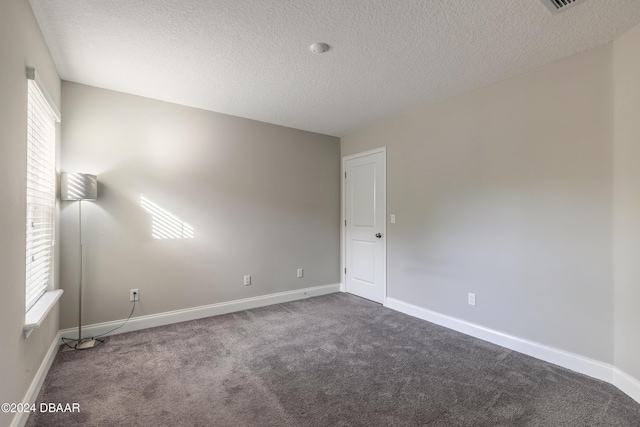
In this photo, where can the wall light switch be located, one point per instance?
(393, 218)
(247, 280)
(299, 273)
(472, 299)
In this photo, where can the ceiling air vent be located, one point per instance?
(557, 6)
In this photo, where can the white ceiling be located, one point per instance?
(251, 58)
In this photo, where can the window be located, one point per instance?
(42, 116)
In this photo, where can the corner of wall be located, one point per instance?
(626, 204)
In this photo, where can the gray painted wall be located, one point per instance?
(21, 44)
(626, 210)
(263, 200)
(506, 192)
(513, 192)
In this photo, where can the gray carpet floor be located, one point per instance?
(335, 360)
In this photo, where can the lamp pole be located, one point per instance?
(80, 278)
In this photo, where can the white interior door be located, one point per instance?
(365, 273)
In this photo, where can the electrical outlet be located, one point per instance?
(299, 273)
(472, 299)
(247, 280)
(134, 295)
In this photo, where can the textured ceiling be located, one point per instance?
(251, 58)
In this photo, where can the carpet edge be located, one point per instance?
(626, 383)
(575, 362)
(193, 313)
(20, 419)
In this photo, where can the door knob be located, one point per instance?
(378, 235)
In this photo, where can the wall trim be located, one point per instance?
(593, 368)
(176, 316)
(575, 362)
(20, 419)
(627, 384)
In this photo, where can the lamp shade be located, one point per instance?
(78, 186)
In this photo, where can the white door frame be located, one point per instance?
(343, 216)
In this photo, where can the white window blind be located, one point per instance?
(41, 188)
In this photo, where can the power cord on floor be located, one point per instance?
(77, 344)
(96, 337)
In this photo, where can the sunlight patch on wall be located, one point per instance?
(164, 225)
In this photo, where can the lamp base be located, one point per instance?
(82, 346)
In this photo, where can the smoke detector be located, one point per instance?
(557, 6)
(319, 48)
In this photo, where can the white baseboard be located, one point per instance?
(627, 384)
(575, 362)
(169, 317)
(20, 419)
(584, 365)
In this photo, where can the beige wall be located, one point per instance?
(263, 200)
(21, 44)
(506, 192)
(626, 249)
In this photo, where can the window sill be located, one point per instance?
(36, 314)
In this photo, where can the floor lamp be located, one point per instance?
(79, 187)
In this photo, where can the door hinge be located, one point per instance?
(345, 175)
(345, 222)
(345, 271)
